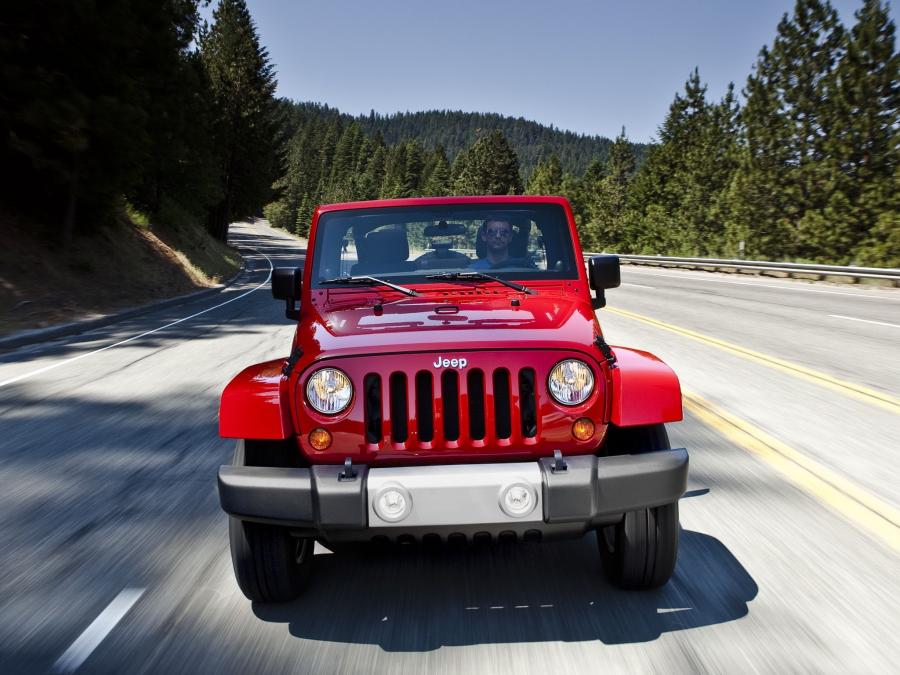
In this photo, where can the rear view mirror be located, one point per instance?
(603, 273)
(286, 284)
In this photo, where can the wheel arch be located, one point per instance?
(255, 404)
(644, 390)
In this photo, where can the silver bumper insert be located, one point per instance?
(464, 494)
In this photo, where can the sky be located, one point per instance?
(589, 67)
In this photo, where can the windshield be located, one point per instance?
(407, 244)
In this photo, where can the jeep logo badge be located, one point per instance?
(450, 363)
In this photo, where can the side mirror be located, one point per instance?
(603, 273)
(286, 284)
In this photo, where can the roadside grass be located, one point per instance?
(125, 264)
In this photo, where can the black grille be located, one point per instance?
(502, 413)
(399, 408)
(454, 401)
(424, 406)
(527, 403)
(450, 404)
(476, 404)
(372, 394)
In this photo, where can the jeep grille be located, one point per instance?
(464, 399)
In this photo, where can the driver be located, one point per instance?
(497, 235)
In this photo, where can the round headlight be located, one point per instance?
(571, 382)
(329, 390)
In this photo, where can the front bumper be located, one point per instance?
(448, 500)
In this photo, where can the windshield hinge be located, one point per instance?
(296, 353)
(604, 348)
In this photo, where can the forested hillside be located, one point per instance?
(806, 167)
(455, 131)
(135, 103)
(106, 107)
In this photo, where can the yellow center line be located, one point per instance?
(878, 398)
(845, 497)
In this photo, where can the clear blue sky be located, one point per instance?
(590, 67)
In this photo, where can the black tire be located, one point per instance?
(640, 551)
(269, 563)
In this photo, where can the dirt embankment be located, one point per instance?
(120, 266)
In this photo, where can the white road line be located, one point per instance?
(853, 318)
(788, 286)
(100, 627)
(625, 283)
(53, 366)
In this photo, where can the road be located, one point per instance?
(114, 551)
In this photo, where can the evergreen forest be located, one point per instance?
(141, 103)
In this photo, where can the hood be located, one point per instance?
(479, 321)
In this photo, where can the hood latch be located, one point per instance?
(606, 351)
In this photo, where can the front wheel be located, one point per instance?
(269, 563)
(639, 551)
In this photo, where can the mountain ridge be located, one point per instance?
(456, 130)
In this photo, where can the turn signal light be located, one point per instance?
(320, 439)
(583, 429)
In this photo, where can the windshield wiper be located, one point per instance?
(475, 276)
(370, 281)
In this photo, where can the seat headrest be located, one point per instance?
(386, 246)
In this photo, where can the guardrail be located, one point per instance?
(791, 269)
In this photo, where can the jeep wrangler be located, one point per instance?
(448, 381)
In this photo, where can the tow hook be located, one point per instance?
(559, 464)
(349, 473)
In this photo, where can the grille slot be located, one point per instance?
(502, 413)
(450, 404)
(476, 404)
(527, 403)
(424, 406)
(372, 412)
(399, 408)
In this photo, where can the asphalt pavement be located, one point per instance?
(114, 553)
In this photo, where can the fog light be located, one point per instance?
(320, 439)
(518, 500)
(392, 504)
(583, 429)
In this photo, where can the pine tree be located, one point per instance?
(582, 193)
(414, 164)
(457, 169)
(373, 177)
(436, 174)
(242, 80)
(341, 183)
(865, 145)
(395, 174)
(787, 187)
(675, 201)
(547, 178)
(606, 229)
(304, 216)
(491, 168)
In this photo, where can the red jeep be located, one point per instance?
(448, 380)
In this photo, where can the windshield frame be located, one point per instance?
(556, 214)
